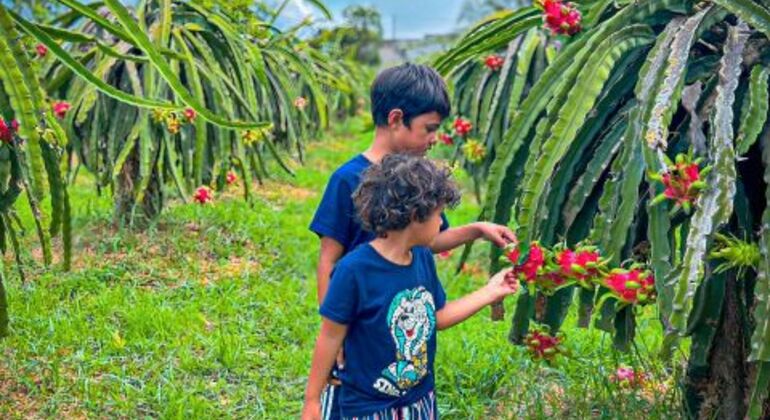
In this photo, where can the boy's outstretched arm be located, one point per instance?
(459, 310)
(452, 238)
(327, 346)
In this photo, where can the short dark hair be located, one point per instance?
(401, 188)
(415, 89)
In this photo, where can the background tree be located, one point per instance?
(166, 99)
(358, 39)
(203, 64)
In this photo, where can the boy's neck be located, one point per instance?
(380, 146)
(396, 247)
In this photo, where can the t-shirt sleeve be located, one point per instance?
(444, 222)
(341, 301)
(439, 296)
(335, 213)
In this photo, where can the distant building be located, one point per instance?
(391, 53)
(396, 51)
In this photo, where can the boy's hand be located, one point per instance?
(341, 358)
(502, 284)
(333, 380)
(497, 234)
(311, 410)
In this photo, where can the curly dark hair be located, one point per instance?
(401, 188)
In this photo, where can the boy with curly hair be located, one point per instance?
(385, 301)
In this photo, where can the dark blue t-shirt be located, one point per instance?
(336, 214)
(390, 311)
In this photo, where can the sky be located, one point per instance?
(413, 18)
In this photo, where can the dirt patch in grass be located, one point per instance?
(18, 400)
(168, 256)
(281, 192)
(276, 192)
(15, 401)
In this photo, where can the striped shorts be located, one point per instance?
(423, 409)
(330, 403)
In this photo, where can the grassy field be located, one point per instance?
(211, 313)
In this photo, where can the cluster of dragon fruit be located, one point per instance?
(548, 270)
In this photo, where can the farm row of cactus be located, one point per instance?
(638, 129)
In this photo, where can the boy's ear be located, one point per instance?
(395, 118)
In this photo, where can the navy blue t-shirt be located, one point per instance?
(390, 311)
(336, 214)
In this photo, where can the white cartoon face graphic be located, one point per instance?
(411, 321)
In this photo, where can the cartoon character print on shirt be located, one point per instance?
(411, 321)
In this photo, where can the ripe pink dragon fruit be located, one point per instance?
(41, 50)
(8, 130)
(631, 286)
(203, 195)
(494, 62)
(190, 114)
(231, 178)
(561, 18)
(543, 346)
(60, 108)
(683, 182)
(462, 126)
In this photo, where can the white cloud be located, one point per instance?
(298, 10)
(303, 8)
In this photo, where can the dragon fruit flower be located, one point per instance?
(474, 151)
(172, 124)
(159, 115)
(252, 136)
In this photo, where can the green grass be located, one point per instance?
(211, 312)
